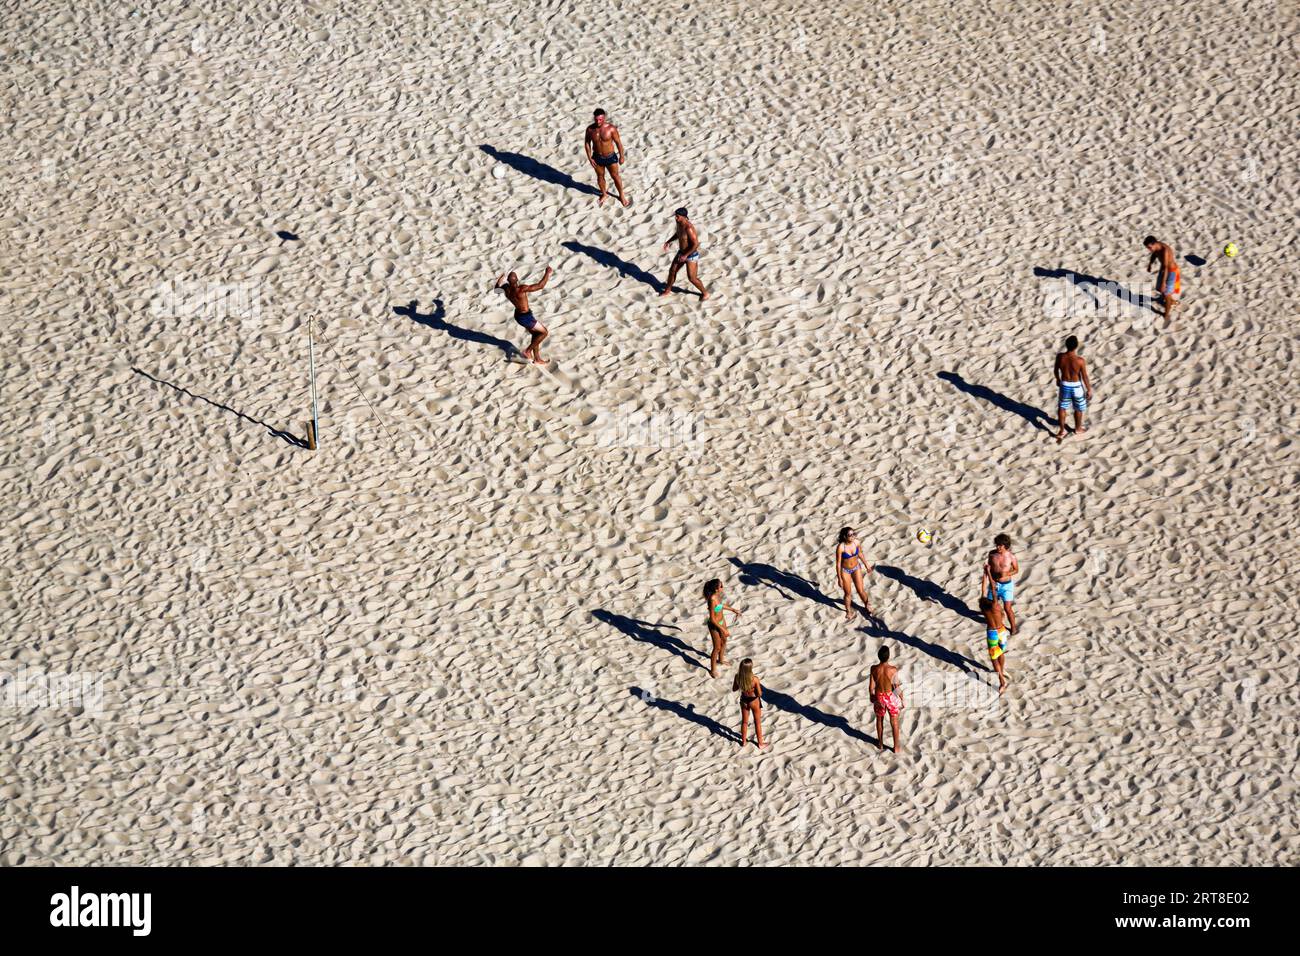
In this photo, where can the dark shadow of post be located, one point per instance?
(791, 706)
(611, 261)
(436, 320)
(1035, 416)
(648, 633)
(538, 170)
(756, 573)
(687, 713)
(282, 435)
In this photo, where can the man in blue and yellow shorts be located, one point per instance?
(995, 636)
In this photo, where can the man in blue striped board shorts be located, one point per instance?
(1074, 391)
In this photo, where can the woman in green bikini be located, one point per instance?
(850, 570)
(717, 623)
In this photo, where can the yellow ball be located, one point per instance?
(924, 536)
(1230, 250)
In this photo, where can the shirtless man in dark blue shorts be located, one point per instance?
(605, 151)
(518, 296)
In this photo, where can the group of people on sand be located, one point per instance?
(997, 605)
(606, 154)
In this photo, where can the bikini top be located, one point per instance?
(718, 608)
(844, 555)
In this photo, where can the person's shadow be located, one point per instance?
(756, 573)
(610, 260)
(278, 433)
(940, 653)
(928, 591)
(686, 713)
(538, 170)
(788, 704)
(1035, 416)
(1092, 285)
(648, 633)
(436, 320)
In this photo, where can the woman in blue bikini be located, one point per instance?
(850, 566)
(717, 623)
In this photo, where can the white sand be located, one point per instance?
(404, 647)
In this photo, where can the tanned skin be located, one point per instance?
(688, 244)
(603, 141)
(517, 293)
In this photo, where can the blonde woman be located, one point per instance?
(717, 623)
(850, 570)
(751, 702)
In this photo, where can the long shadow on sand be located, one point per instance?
(538, 170)
(940, 653)
(928, 591)
(648, 633)
(278, 433)
(608, 259)
(757, 573)
(436, 320)
(686, 713)
(1035, 416)
(791, 706)
(1092, 285)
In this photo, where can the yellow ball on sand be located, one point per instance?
(924, 536)
(1230, 250)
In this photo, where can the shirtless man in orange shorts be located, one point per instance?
(1169, 284)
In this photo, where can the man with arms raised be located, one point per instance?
(517, 293)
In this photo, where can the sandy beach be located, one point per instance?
(467, 628)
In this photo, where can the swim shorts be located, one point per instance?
(1073, 397)
(1006, 591)
(1173, 283)
(610, 160)
(526, 320)
(997, 641)
(886, 703)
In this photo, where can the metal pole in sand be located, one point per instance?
(314, 425)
